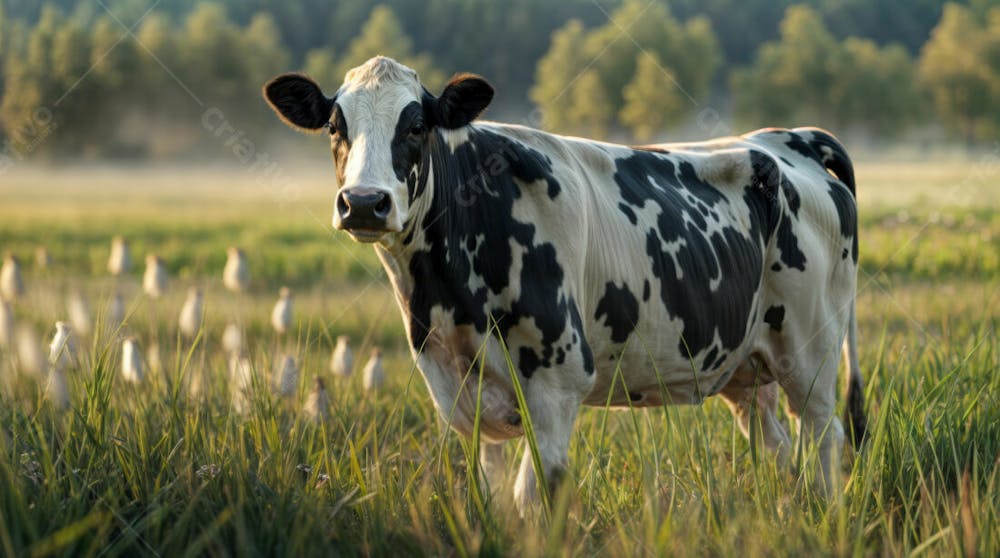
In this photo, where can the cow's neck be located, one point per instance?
(455, 255)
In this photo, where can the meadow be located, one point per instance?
(150, 469)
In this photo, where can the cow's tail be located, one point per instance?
(854, 412)
(832, 154)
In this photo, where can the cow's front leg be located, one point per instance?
(493, 465)
(553, 412)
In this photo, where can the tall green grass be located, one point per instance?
(151, 470)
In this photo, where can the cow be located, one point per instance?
(592, 273)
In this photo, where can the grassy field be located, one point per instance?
(152, 470)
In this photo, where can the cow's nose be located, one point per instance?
(363, 208)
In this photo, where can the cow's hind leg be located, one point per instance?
(755, 408)
(811, 390)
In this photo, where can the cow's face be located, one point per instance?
(381, 122)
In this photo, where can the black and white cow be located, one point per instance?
(636, 275)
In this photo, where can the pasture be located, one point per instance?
(151, 469)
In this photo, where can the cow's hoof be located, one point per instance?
(555, 479)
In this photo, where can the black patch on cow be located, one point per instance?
(338, 123)
(621, 310)
(586, 353)
(634, 397)
(844, 254)
(788, 245)
(774, 316)
(776, 266)
(719, 361)
(709, 358)
(791, 195)
(340, 142)
(632, 218)
(528, 361)
(645, 290)
(835, 159)
(560, 355)
(409, 147)
(787, 162)
(731, 256)
(468, 227)
(766, 173)
(847, 213)
(799, 145)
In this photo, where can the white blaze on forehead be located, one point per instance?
(372, 97)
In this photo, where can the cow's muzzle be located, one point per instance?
(364, 212)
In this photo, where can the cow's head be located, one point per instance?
(380, 123)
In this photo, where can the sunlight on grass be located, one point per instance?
(158, 468)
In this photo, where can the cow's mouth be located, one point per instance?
(366, 235)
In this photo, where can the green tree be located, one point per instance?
(157, 96)
(68, 66)
(792, 78)
(652, 100)
(611, 52)
(263, 57)
(556, 73)
(211, 60)
(690, 50)
(5, 46)
(321, 65)
(261, 49)
(878, 93)
(956, 69)
(384, 34)
(31, 87)
(589, 108)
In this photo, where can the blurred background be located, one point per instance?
(139, 80)
(142, 120)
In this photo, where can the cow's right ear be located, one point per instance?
(299, 102)
(464, 98)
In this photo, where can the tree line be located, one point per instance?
(77, 80)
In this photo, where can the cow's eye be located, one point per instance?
(417, 129)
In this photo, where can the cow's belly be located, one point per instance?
(641, 379)
(649, 368)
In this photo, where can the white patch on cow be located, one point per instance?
(455, 138)
(517, 252)
(827, 153)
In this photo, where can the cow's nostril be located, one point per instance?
(382, 206)
(343, 208)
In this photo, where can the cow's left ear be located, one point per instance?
(299, 101)
(464, 98)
